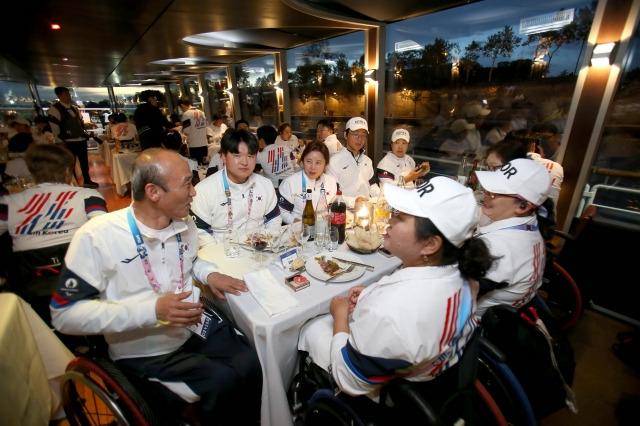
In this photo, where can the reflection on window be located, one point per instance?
(257, 96)
(614, 180)
(219, 100)
(326, 81)
(507, 71)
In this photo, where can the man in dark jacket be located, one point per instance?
(149, 120)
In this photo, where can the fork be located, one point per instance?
(349, 269)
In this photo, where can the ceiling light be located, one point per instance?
(55, 26)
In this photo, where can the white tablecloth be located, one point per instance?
(105, 151)
(276, 338)
(32, 359)
(121, 170)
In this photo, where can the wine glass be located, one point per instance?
(251, 226)
(259, 241)
(320, 241)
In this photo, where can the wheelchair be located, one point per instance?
(96, 391)
(314, 399)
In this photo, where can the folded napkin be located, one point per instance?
(269, 292)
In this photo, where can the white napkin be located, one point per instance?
(269, 292)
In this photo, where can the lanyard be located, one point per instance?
(227, 192)
(144, 256)
(521, 227)
(304, 189)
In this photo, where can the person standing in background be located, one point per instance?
(149, 120)
(194, 127)
(67, 126)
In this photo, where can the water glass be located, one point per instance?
(332, 242)
(320, 240)
(231, 244)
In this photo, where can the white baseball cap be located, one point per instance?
(400, 134)
(475, 110)
(357, 123)
(450, 206)
(460, 125)
(526, 178)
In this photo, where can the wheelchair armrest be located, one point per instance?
(489, 348)
(564, 235)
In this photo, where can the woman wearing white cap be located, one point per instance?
(416, 322)
(514, 225)
(397, 164)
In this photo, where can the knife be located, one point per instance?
(354, 263)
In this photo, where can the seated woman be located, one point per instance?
(41, 221)
(287, 139)
(416, 322)
(397, 165)
(293, 190)
(517, 219)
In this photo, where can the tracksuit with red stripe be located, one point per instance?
(418, 319)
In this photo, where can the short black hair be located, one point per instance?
(60, 89)
(545, 127)
(20, 142)
(268, 133)
(326, 123)
(146, 94)
(172, 141)
(41, 119)
(232, 139)
(242, 120)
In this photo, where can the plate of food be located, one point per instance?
(272, 238)
(323, 266)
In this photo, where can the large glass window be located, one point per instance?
(519, 64)
(257, 96)
(326, 81)
(16, 100)
(93, 102)
(614, 180)
(219, 101)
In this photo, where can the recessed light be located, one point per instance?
(65, 59)
(55, 26)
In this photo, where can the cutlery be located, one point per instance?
(349, 269)
(354, 263)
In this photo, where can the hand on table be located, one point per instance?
(172, 311)
(221, 283)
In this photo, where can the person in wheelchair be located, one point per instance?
(41, 221)
(416, 322)
(128, 276)
(518, 218)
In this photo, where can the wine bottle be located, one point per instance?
(308, 214)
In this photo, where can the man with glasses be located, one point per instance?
(352, 168)
(325, 133)
(397, 166)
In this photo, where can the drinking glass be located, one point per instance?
(320, 240)
(231, 244)
(251, 226)
(259, 242)
(332, 241)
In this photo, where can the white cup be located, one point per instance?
(231, 244)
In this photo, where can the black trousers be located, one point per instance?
(79, 150)
(224, 371)
(198, 153)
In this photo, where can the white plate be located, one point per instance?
(314, 269)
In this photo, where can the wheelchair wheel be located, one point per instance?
(562, 295)
(95, 392)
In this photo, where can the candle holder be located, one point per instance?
(363, 214)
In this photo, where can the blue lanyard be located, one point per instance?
(144, 255)
(227, 192)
